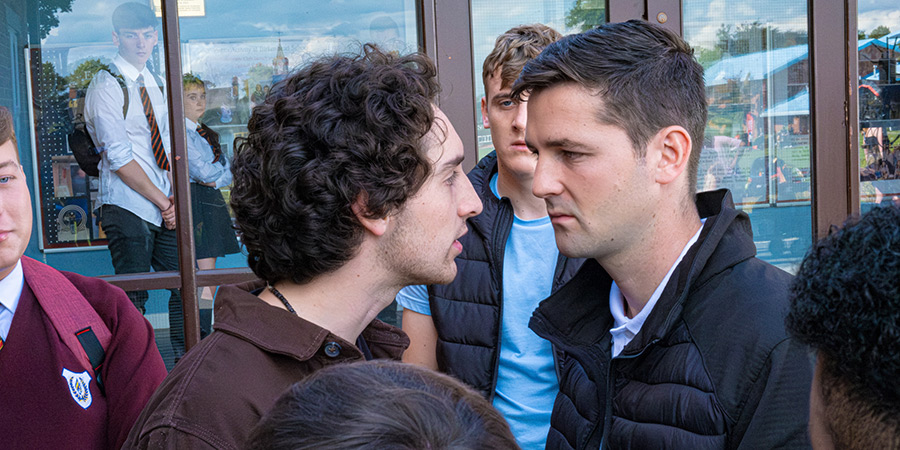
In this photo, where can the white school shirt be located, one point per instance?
(125, 139)
(201, 167)
(10, 293)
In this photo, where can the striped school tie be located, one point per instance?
(159, 152)
(217, 150)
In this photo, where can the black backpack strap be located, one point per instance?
(118, 76)
(94, 352)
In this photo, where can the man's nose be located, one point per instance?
(546, 179)
(521, 116)
(470, 205)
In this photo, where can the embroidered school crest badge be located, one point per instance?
(79, 387)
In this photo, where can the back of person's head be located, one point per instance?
(846, 306)
(343, 129)
(515, 48)
(133, 16)
(7, 127)
(646, 76)
(381, 405)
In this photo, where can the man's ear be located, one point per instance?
(115, 39)
(484, 113)
(376, 226)
(674, 146)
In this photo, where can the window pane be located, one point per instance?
(89, 83)
(879, 103)
(234, 55)
(491, 18)
(756, 57)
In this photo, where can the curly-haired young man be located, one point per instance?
(476, 328)
(846, 305)
(672, 333)
(347, 188)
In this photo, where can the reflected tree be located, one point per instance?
(81, 77)
(586, 14)
(879, 31)
(47, 14)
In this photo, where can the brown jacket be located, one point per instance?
(218, 392)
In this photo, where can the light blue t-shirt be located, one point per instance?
(526, 379)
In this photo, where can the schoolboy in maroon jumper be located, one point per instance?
(48, 399)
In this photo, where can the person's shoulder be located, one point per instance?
(110, 302)
(103, 79)
(742, 307)
(178, 437)
(752, 285)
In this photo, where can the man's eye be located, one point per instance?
(5, 179)
(507, 103)
(452, 177)
(570, 155)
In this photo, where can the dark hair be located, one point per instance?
(381, 405)
(515, 48)
(133, 16)
(846, 305)
(7, 128)
(342, 129)
(646, 75)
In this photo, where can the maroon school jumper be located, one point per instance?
(37, 409)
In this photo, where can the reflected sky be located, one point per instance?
(236, 35)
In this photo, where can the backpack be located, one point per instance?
(75, 320)
(82, 146)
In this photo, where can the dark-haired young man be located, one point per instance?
(673, 336)
(136, 210)
(341, 199)
(50, 395)
(476, 328)
(845, 303)
(381, 405)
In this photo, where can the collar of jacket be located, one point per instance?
(244, 315)
(480, 177)
(577, 315)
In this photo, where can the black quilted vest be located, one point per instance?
(711, 368)
(467, 312)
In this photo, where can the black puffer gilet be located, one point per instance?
(467, 312)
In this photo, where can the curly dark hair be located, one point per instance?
(381, 404)
(846, 305)
(342, 129)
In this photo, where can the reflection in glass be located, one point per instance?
(491, 18)
(166, 325)
(209, 170)
(878, 50)
(756, 60)
(241, 52)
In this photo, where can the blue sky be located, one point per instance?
(236, 34)
(242, 32)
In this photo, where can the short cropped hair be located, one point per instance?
(846, 305)
(515, 48)
(133, 16)
(189, 79)
(7, 127)
(646, 75)
(342, 129)
(381, 405)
